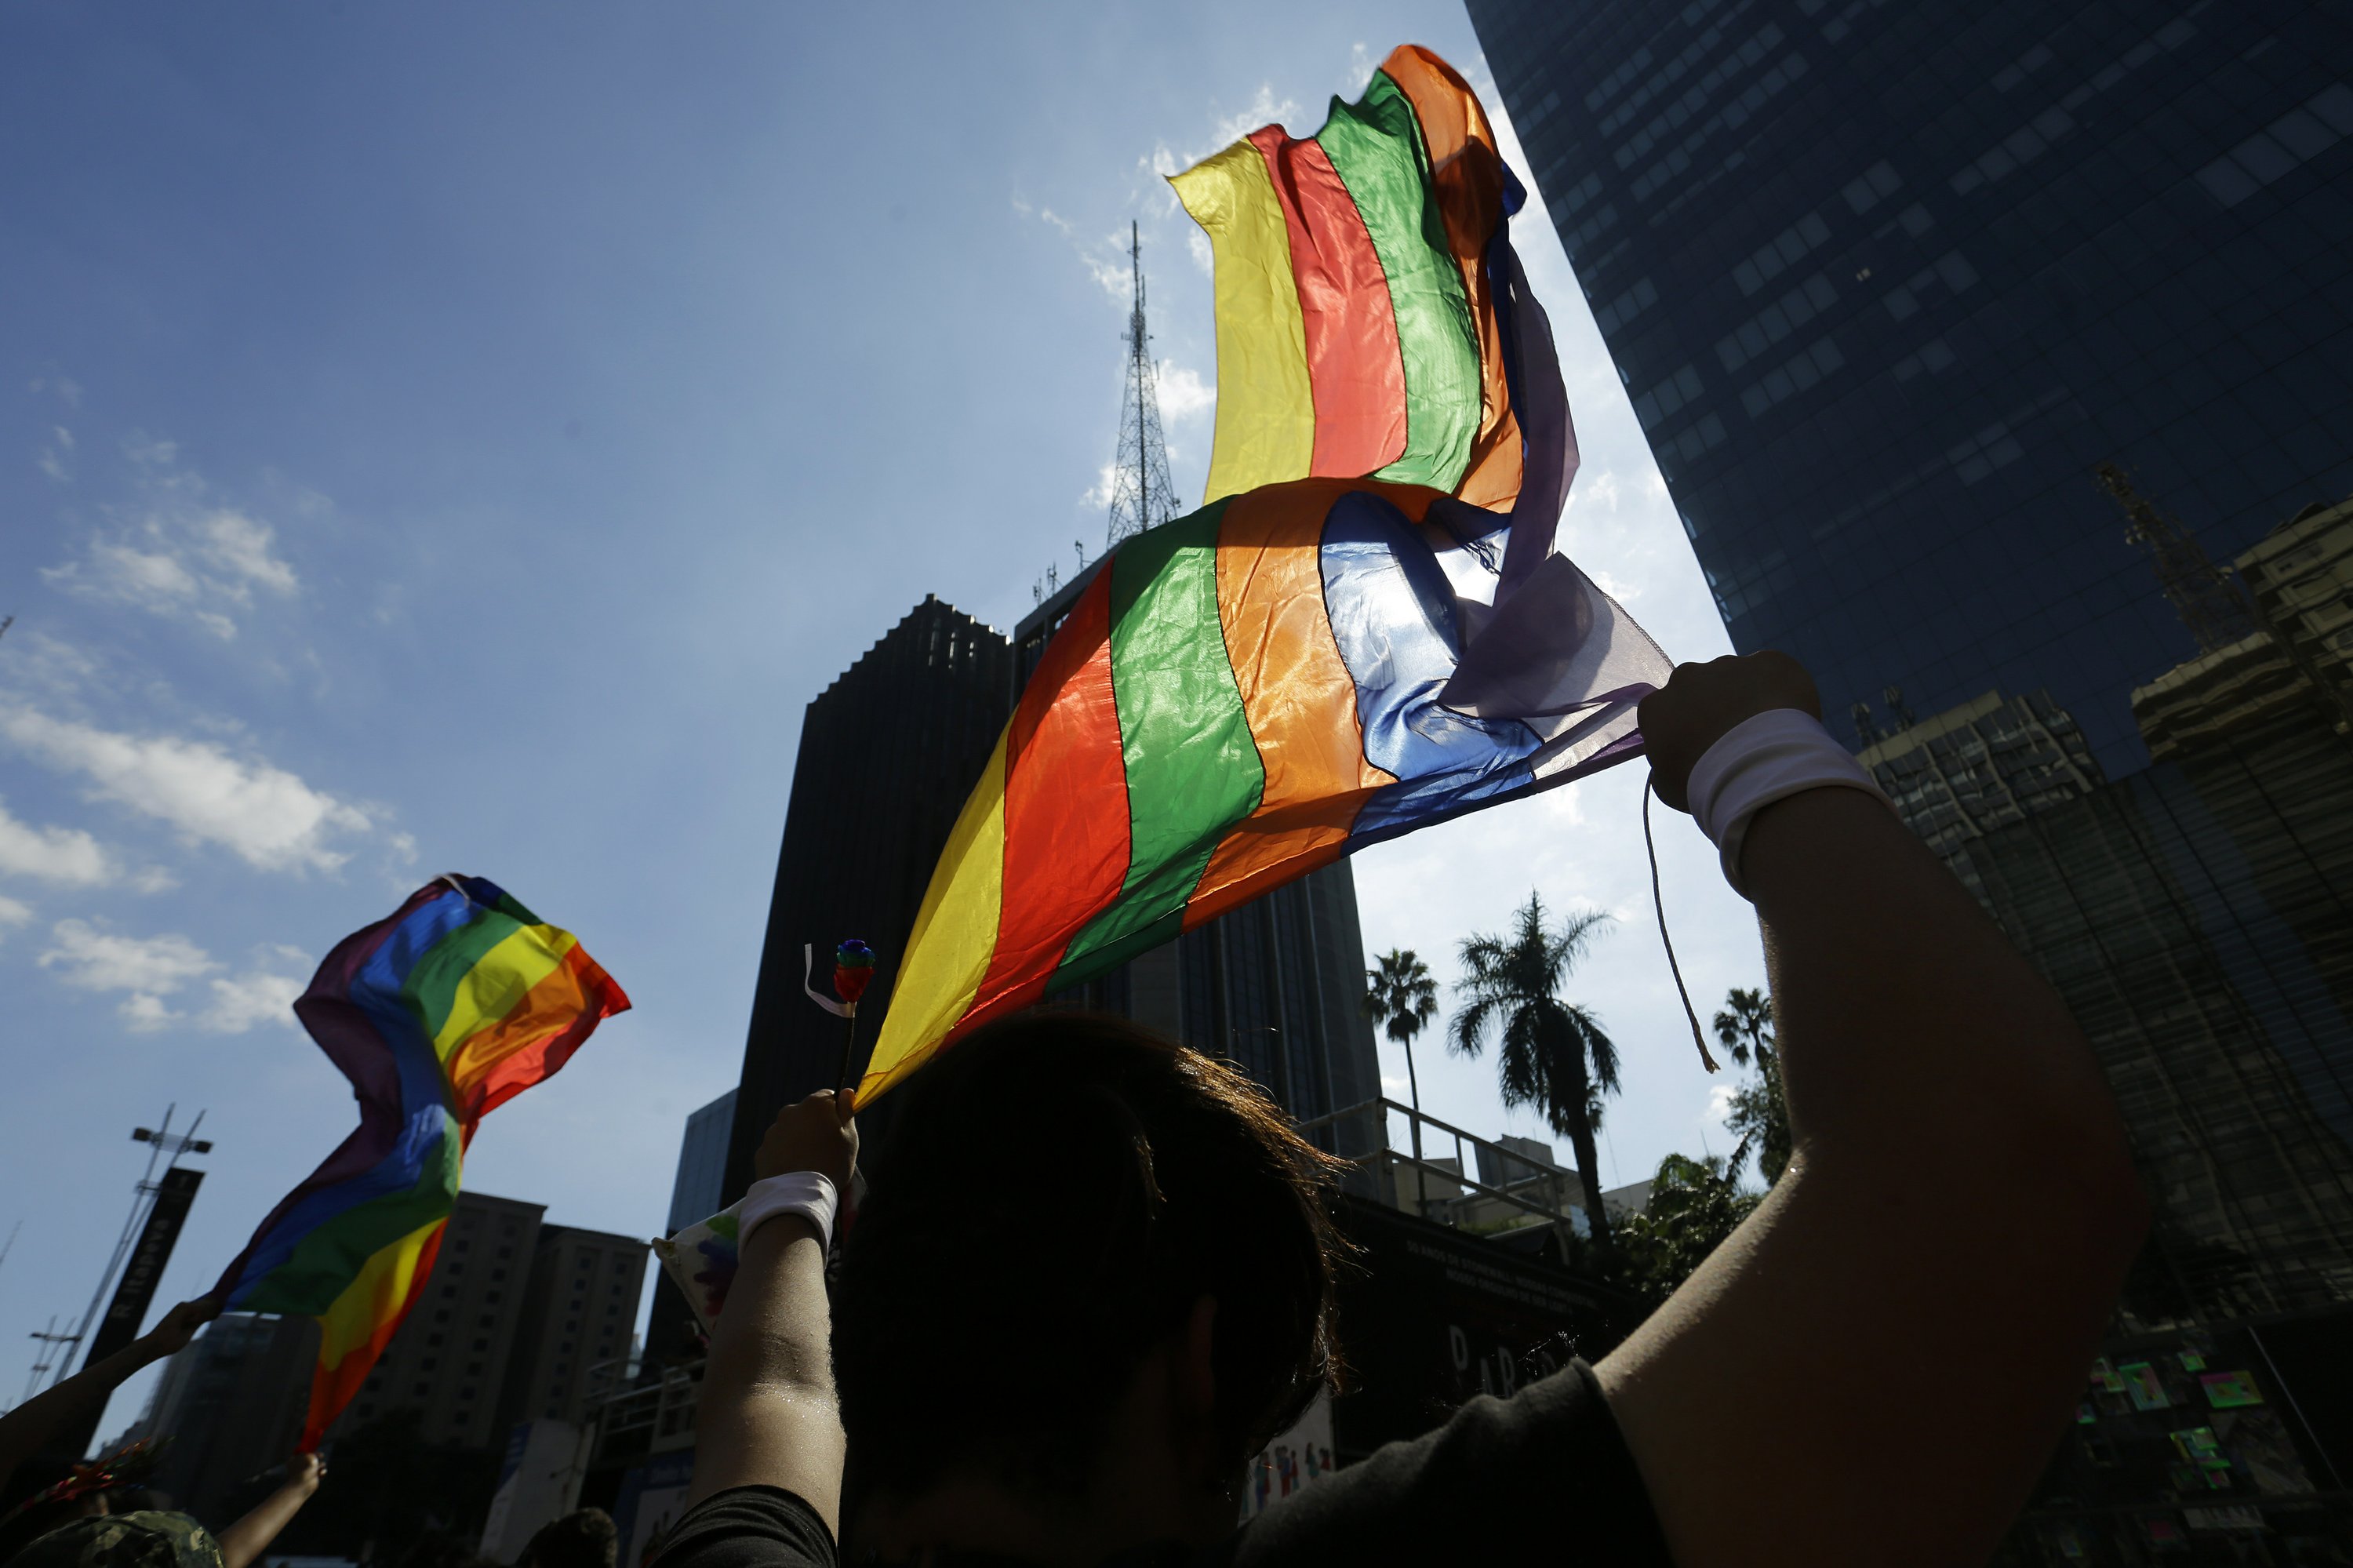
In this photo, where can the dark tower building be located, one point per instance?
(888, 754)
(2000, 363)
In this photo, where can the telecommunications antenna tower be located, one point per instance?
(1141, 495)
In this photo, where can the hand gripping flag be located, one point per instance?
(456, 1003)
(1365, 631)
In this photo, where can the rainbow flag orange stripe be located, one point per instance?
(437, 1015)
(1357, 329)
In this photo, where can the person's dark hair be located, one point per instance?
(582, 1540)
(1059, 1190)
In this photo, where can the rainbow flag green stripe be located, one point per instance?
(1374, 145)
(1358, 330)
(1193, 769)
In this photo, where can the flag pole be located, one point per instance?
(849, 1049)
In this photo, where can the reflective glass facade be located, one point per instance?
(1884, 282)
(1999, 361)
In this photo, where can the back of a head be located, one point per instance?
(582, 1540)
(1060, 1189)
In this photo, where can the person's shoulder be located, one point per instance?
(749, 1527)
(1498, 1478)
(145, 1539)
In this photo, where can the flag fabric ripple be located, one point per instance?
(1358, 331)
(437, 1015)
(1238, 697)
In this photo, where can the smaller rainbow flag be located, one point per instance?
(456, 1003)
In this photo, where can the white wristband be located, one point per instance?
(1757, 761)
(808, 1193)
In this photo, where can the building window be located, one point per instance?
(489, 1295)
(464, 1394)
(427, 1364)
(421, 1390)
(481, 1344)
(462, 1244)
(432, 1339)
(498, 1274)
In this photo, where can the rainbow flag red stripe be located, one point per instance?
(437, 1015)
(1357, 325)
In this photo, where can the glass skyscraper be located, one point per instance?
(1886, 282)
(1999, 361)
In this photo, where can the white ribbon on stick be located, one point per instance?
(808, 973)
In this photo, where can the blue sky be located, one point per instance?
(451, 438)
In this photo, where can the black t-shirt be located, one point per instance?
(1505, 1480)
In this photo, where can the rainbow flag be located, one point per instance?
(1240, 696)
(456, 1003)
(1359, 324)
(1365, 631)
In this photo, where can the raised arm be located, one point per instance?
(249, 1537)
(23, 1430)
(767, 1416)
(1959, 1188)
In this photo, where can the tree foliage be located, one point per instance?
(1758, 1114)
(1400, 995)
(1694, 1205)
(1552, 1055)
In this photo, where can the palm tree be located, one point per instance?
(1758, 1114)
(1400, 995)
(1554, 1056)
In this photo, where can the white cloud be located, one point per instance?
(173, 552)
(258, 997)
(1183, 394)
(238, 545)
(1719, 1104)
(55, 459)
(1205, 256)
(14, 914)
(1098, 495)
(1265, 109)
(67, 856)
(269, 817)
(90, 958)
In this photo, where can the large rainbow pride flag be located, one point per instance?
(437, 1015)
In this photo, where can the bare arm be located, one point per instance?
(1960, 1180)
(767, 1416)
(25, 1429)
(249, 1537)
